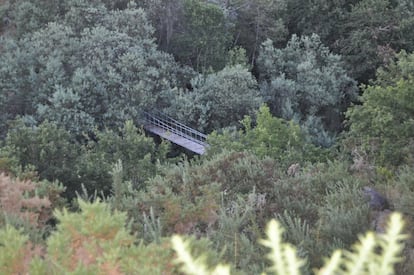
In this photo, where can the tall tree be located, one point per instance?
(374, 32)
(219, 99)
(202, 36)
(165, 16)
(307, 83)
(255, 21)
(96, 67)
(383, 125)
(323, 17)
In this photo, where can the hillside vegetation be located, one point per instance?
(309, 111)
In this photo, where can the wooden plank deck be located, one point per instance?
(182, 141)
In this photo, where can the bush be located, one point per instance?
(95, 240)
(374, 254)
(272, 137)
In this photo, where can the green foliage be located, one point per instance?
(93, 68)
(306, 83)
(29, 16)
(28, 205)
(46, 148)
(363, 259)
(4, 6)
(54, 155)
(190, 197)
(15, 252)
(237, 56)
(201, 38)
(323, 17)
(255, 21)
(139, 156)
(67, 111)
(345, 207)
(219, 99)
(322, 207)
(383, 125)
(97, 240)
(95, 237)
(93, 241)
(402, 191)
(229, 197)
(367, 33)
(377, 29)
(194, 266)
(282, 255)
(271, 137)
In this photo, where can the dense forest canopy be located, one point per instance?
(308, 107)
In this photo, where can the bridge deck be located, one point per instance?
(177, 139)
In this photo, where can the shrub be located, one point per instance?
(374, 254)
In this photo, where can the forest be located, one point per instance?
(308, 108)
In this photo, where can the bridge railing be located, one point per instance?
(173, 126)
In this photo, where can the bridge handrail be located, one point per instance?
(167, 123)
(168, 119)
(165, 117)
(185, 132)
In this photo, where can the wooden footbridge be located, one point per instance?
(174, 131)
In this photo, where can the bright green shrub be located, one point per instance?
(272, 137)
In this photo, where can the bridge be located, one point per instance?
(174, 131)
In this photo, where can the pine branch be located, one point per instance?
(282, 255)
(191, 265)
(366, 258)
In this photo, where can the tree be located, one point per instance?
(374, 32)
(307, 83)
(219, 99)
(384, 123)
(29, 16)
(255, 21)
(166, 17)
(46, 149)
(202, 37)
(366, 33)
(325, 18)
(97, 67)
